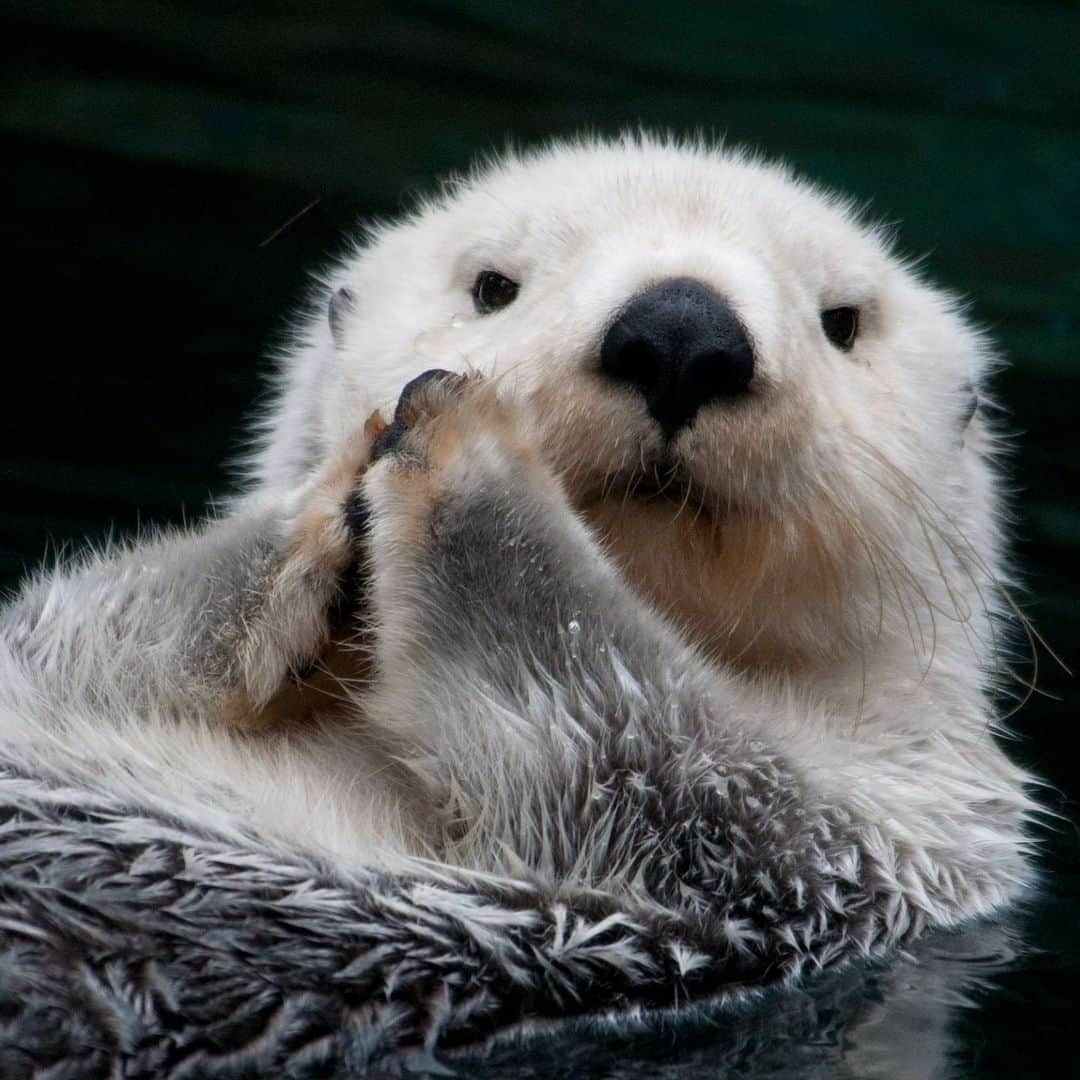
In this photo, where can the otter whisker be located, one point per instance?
(967, 556)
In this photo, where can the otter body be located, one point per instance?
(686, 598)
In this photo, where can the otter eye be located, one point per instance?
(492, 291)
(841, 324)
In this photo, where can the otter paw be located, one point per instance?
(322, 534)
(455, 440)
(422, 399)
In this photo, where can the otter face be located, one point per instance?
(764, 412)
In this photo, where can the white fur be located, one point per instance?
(851, 609)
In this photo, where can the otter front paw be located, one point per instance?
(452, 438)
(330, 532)
(422, 399)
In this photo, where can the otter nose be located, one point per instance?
(681, 347)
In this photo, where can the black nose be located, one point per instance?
(681, 346)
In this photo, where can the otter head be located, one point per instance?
(765, 413)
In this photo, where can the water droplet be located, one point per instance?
(457, 321)
(574, 626)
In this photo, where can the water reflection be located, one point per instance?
(894, 1020)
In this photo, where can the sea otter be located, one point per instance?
(624, 540)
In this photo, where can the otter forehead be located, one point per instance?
(542, 211)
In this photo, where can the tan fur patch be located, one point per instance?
(322, 539)
(328, 695)
(308, 579)
(758, 593)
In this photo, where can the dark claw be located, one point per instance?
(393, 433)
(388, 440)
(415, 384)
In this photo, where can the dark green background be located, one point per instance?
(151, 153)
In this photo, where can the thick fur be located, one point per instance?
(726, 705)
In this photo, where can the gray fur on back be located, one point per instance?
(130, 935)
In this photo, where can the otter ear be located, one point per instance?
(970, 407)
(341, 303)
